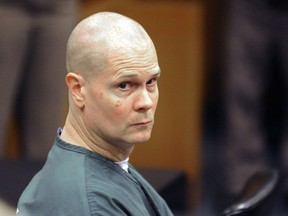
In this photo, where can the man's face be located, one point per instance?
(121, 101)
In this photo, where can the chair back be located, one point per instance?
(257, 197)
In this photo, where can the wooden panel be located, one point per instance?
(177, 31)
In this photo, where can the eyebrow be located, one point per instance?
(158, 72)
(132, 75)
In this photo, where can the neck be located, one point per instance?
(74, 132)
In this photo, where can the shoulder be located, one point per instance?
(58, 189)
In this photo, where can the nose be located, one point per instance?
(144, 100)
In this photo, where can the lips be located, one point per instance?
(146, 122)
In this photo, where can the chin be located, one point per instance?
(137, 137)
(142, 139)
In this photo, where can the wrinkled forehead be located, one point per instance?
(129, 63)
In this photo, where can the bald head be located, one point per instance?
(95, 39)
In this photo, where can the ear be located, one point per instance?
(75, 84)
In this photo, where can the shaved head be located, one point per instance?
(95, 38)
(112, 79)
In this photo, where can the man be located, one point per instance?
(113, 94)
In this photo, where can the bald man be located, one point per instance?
(112, 80)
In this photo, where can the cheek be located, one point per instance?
(155, 100)
(117, 103)
(115, 106)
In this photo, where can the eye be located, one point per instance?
(125, 85)
(151, 82)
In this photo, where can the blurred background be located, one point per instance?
(223, 93)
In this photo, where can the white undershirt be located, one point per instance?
(123, 164)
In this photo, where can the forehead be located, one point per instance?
(135, 73)
(133, 62)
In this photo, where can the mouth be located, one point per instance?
(143, 123)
